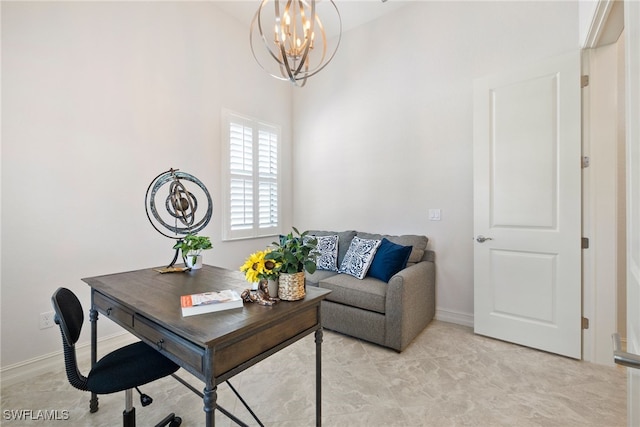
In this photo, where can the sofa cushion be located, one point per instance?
(389, 259)
(419, 243)
(327, 250)
(344, 240)
(318, 276)
(359, 257)
(368, 294)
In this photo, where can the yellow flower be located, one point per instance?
(256, 267)
(250, 263)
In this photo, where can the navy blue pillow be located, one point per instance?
(389, 259)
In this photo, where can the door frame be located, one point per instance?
(632, 128)
(600, 292)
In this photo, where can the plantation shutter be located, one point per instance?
(241, 180)
(252, 201)
(267, 179)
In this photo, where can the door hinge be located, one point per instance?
(585, 323)
(586, 162)
(584, 81)
(585, 243)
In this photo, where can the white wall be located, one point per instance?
(97, 99)
(384, 133)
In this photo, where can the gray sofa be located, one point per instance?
(389, 314)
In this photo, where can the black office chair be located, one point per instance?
(123, 369)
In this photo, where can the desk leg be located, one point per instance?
(210, 396)
(93, 318)
(319, 377)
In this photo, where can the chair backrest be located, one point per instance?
(69, 316)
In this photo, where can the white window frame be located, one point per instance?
(251, 171)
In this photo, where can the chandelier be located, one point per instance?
(294, 37)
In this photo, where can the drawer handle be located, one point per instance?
(159, 344)
(109, 311)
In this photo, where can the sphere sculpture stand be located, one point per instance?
(175, 256)
(181, 214)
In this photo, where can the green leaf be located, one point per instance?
(310, 266)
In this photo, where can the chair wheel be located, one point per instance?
(176, 422)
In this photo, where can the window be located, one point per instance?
(250, 162)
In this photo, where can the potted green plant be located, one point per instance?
(191, 245)
(294, 254)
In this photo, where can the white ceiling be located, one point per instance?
(352, 12)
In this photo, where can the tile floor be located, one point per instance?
(447, 377)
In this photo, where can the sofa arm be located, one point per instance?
(410, 304)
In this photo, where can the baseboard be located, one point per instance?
(24, 371)
(456, 317)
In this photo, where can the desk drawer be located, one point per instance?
(231, 356)
(114, 311)
(165, 341)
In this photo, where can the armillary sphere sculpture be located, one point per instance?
(180, 213)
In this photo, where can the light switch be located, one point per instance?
(434, 214)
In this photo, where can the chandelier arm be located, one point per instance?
(312, 19)
(324, 39)
(283, 52)
(287, 67)
(258, 18)
(319, 68)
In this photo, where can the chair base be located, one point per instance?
(129, 419)
(170, 420)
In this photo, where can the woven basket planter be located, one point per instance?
(291, 286)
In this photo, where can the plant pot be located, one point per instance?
(189, 262)
(291, 286)
(273, 288)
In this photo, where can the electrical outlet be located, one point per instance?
(46, 320)
(434, 214)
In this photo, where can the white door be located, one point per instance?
(632, 32)
(527, 205)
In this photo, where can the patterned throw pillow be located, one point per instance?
(327, 249)
(359, 257)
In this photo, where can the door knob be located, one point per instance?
(482, 239)
(622, 357)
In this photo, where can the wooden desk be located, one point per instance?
(215, 346)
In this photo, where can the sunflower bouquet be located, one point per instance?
(256, 267)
